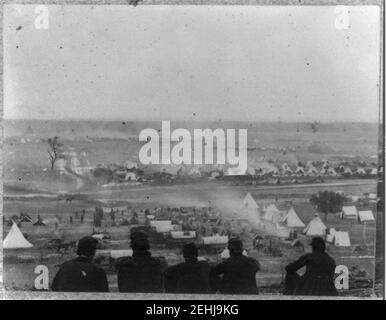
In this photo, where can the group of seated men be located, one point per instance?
(236, 275)
(142, 272)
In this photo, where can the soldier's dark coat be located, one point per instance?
(140, 273)
(188, 277)
(318, 280)
(80, 275)
(238, 275)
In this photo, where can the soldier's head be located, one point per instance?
(318, 244)
(87, 246)
(139, 241)
(190, 251)
(235, 247)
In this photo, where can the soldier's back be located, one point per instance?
(80, 275)
(140, 274)
(321, 264)
(188, 277)
(318, 279)
(239, 275)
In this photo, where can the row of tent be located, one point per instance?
(351, 212)
(291, 218)
(166, 226)
(16, 240)
(273, 214)
(260, 169)
(314, 228)
(308, 170)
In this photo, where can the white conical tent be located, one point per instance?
(275, 216)
(270, 212)
(249, 202)
(272, 207)
(292, 220)
(15, 239)
(312, 171)
(299, 170)
(316, 227)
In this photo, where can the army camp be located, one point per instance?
(160, 150)
(64, 181)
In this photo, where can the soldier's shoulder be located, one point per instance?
(160, 260)
(97, 268)
(67, 264)
(203, 263)
(174, 268)
(308, 257)
(251, 260)
(331, 259)
(120, 262)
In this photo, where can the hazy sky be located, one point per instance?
(192, 62)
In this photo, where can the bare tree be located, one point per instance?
(55, 150)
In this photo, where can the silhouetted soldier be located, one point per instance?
(112, 216)
(81, 274)
(82, 216)
(191, 276)
(141, 272)
(98, 217)
(318, 280)
(238, 272)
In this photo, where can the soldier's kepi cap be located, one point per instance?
(139, 240)
(190, 249)
(138, 234)
(318, 244)
(235, 243)
(317, 241)
(87, 246)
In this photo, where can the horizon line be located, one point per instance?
(186, 120)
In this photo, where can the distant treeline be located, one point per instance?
(118, 129)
